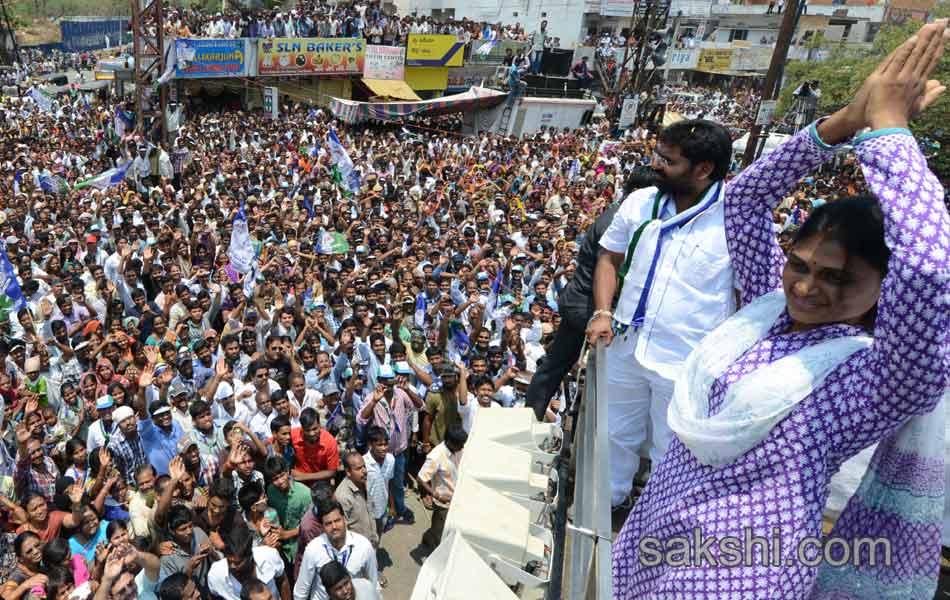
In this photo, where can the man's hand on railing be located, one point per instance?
(600, 326)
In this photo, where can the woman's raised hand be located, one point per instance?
(901, 87)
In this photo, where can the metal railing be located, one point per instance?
(588, 569)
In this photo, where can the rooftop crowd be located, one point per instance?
(318, 19)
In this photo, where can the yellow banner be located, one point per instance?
(714, 59)
(434, 51)
(310, 56)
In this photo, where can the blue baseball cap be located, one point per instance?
(105, 402)
(385, 372)
(403, 368)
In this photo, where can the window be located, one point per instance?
(738, 34)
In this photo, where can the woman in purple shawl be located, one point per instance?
(839, 346)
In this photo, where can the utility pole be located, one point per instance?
(148, 51)
(774, 74)
(11, 31)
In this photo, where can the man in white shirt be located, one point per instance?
(667, 244)
(380, 468)
(243, 562)
(350, 549)
(537, 46)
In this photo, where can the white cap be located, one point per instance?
(122, 413)
(224, 390)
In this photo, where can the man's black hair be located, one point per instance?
(699, 141)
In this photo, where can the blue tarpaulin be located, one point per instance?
(90, 33)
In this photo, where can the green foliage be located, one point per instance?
(843, 72)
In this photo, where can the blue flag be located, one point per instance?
(250, 279)
(11, 296)
(53, 184)
(344, 164)
(420, 310)
(496, 285)
(241, 252)
(458, 336)
(43, 100)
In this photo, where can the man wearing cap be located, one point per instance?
(333, 412)
(100, 432)
(416, 350)
(186, 371)
(195, 463)
(126, 444)
(159, 435)
(392, 409)
(444, 405)
(178, 397)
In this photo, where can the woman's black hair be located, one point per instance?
(117, 385)
(857, 223)
(72, 445)
(55, 552)
(115, 526)
(21, 539)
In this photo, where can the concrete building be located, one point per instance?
(570, 20)
(737, 39)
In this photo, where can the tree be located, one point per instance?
(843, 72)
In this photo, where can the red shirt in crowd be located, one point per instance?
(313, 458)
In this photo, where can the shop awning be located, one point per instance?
(396, 89)
(352, 111)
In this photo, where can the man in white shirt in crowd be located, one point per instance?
(438, 477)
(380, 467)
(350, 549)
(667, 245)
(243, 562)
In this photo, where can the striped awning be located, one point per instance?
(351, 111)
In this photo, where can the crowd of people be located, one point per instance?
(310, 18)
(171, 423)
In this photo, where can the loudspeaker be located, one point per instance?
(556, 62)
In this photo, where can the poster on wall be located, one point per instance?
(385, 62)
(310, 56)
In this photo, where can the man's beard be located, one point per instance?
(644, 177)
